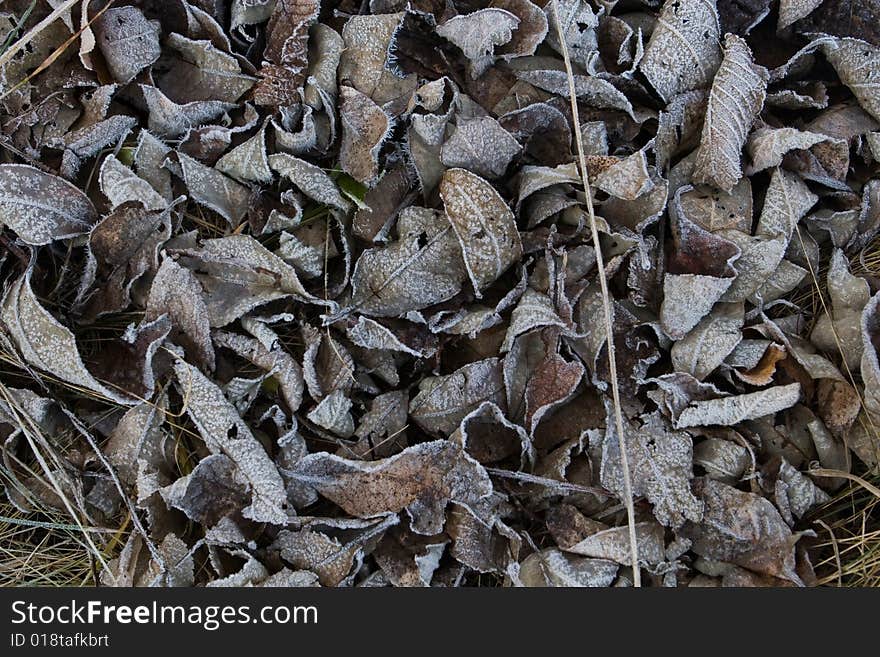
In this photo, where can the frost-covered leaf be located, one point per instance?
(709, 342)
(238, 274)
(484, 225)
(175, 292)
(856, 63)
(660, 462)
(334, 414)
(727, 411)
(591, 90)
(477, 34)
(120, 184)
(128, 41)
(481, 146)
(247, 162)
(767, 146)
(551, 567)
(421, 479)
(791, 11)
(43, 342)
(628, 179)
(169, 119)
(613, 543)
(268, 354)
(737, 96)
(578, 22)
(310, 179)
(423, 267)
(443, 401)
(41, 207)
(224, 432)
(202, 72)
(787, 200)
(683, 51)
(364, 129)
(744, 529)
(840, 332)
(214, 190)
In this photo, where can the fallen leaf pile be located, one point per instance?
(300, 293)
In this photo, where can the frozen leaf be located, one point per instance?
(214, 489)
(334, 414)
(202, 72)
(795, 493)
(767, 146)
(385, 421)
(530, 32)
(660, 462)
(128, 41)
(683, 53)
(224, 432)
(45, 343)
(840, 332)
(484, 225)
(534, 310)
(709, 343)
(481, 146)
(722, 459)
(727, 411)
(41, 207)
(423, 267)
(578, 22)
(736, 98)
(87, 142)
(214, 190)
(168, 119)
(364, 129)
(787, 200)
(288, 32)
(628, 179)
(593, 91)
(120, 184)
(306, 258)
(759, 258)
(248, 162)
(270, 357)
(317, 552)
(310, 179)
(699, 272)
(443, 401)
(238, 273)
(794, 10)
(762, 372)
(367, 42)
(477, 34)
(370, 334)
(175, 292)
(613, 544)
(148, 159)
(551, 567)
(744, 529)
(421, 479)
(856, 63)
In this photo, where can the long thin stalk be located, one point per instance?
(606, 303)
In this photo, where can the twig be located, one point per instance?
(606, 302)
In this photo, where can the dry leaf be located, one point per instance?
(737, 96)
(484, 225)
(421, 479)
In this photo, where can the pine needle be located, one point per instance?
(606, 303)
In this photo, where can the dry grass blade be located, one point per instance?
(35, 30)
(606, 302)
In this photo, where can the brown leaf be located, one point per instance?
(421, 479)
